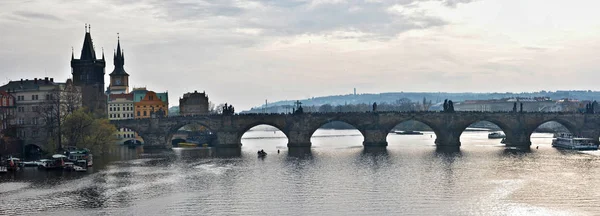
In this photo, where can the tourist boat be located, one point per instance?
(496, 135)
(408, 132)
(48, 164)
(568, 141)
(82, 154)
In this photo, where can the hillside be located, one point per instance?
(435, 97)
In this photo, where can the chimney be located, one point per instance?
(51, 79)
(35, 80)
(21, 81)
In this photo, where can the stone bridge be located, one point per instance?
(374, 126)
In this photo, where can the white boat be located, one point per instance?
(496, 135)
(82, 154)
(568, 141)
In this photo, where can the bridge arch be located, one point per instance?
(128, 136)
(195, 132)
(344, 130)
(554, 125)
(263, 136)
(409, 124)
(488, 123)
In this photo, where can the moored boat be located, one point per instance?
(187, 145)
(496, 135)
(568, 141)
(81, 154)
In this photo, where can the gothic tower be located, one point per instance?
(88, 73)
(119, 79)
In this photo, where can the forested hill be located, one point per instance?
(435, 97)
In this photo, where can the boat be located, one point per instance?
(568, 141)
(408, 132)
(262, 153)
(81, 154)
(30, 163)
(496, 135)
(80, 166)
(187, 145)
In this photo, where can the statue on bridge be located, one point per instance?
(521, 110)
(228, 110)
(450, 106)
(515, 107)
(446, 105)
(375, 107)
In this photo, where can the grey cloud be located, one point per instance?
(296, 17)
(35, 15)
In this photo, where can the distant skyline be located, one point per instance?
(243, 52)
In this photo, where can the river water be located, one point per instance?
(337, 177)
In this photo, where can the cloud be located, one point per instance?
(35, 15)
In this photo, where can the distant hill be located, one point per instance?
(435, 97)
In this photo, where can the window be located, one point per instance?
(34, 121)
(138, 113)
(151, 98)
(118, 108)
(110, 108)
(118, 115)
(144, 112)
(20, 109)
(47, 97)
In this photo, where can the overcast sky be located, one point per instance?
(244, 52)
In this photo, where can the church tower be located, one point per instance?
(88, 73)
(119, 79)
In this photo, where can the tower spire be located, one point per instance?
(72, 53)
(87, 51)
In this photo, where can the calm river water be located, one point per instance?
(337, 178)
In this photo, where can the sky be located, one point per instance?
(246, 52)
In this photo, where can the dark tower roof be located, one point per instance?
(119, 60)
(88, 52)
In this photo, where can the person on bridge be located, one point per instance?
(277, 151)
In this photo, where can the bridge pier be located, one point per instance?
(518, 138)
(299, 139)
(375, 138)
(228, 139)
(448, 140)
(156, 141)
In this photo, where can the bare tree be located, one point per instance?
(60, 102)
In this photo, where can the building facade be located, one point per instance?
(120, 106)
(193, 103)
(39, 103)
(88, 74)
(151, 105)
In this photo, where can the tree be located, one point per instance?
(58, 103)
(325, 108)
(219, 109)
(211, 108)
(82, 130)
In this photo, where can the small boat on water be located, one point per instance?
(568, 141)
(408, 132)
(187, 145)
(496, 135)
(262, 153)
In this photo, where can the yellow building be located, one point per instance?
(151, 105)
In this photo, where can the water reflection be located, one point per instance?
(334, 178)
